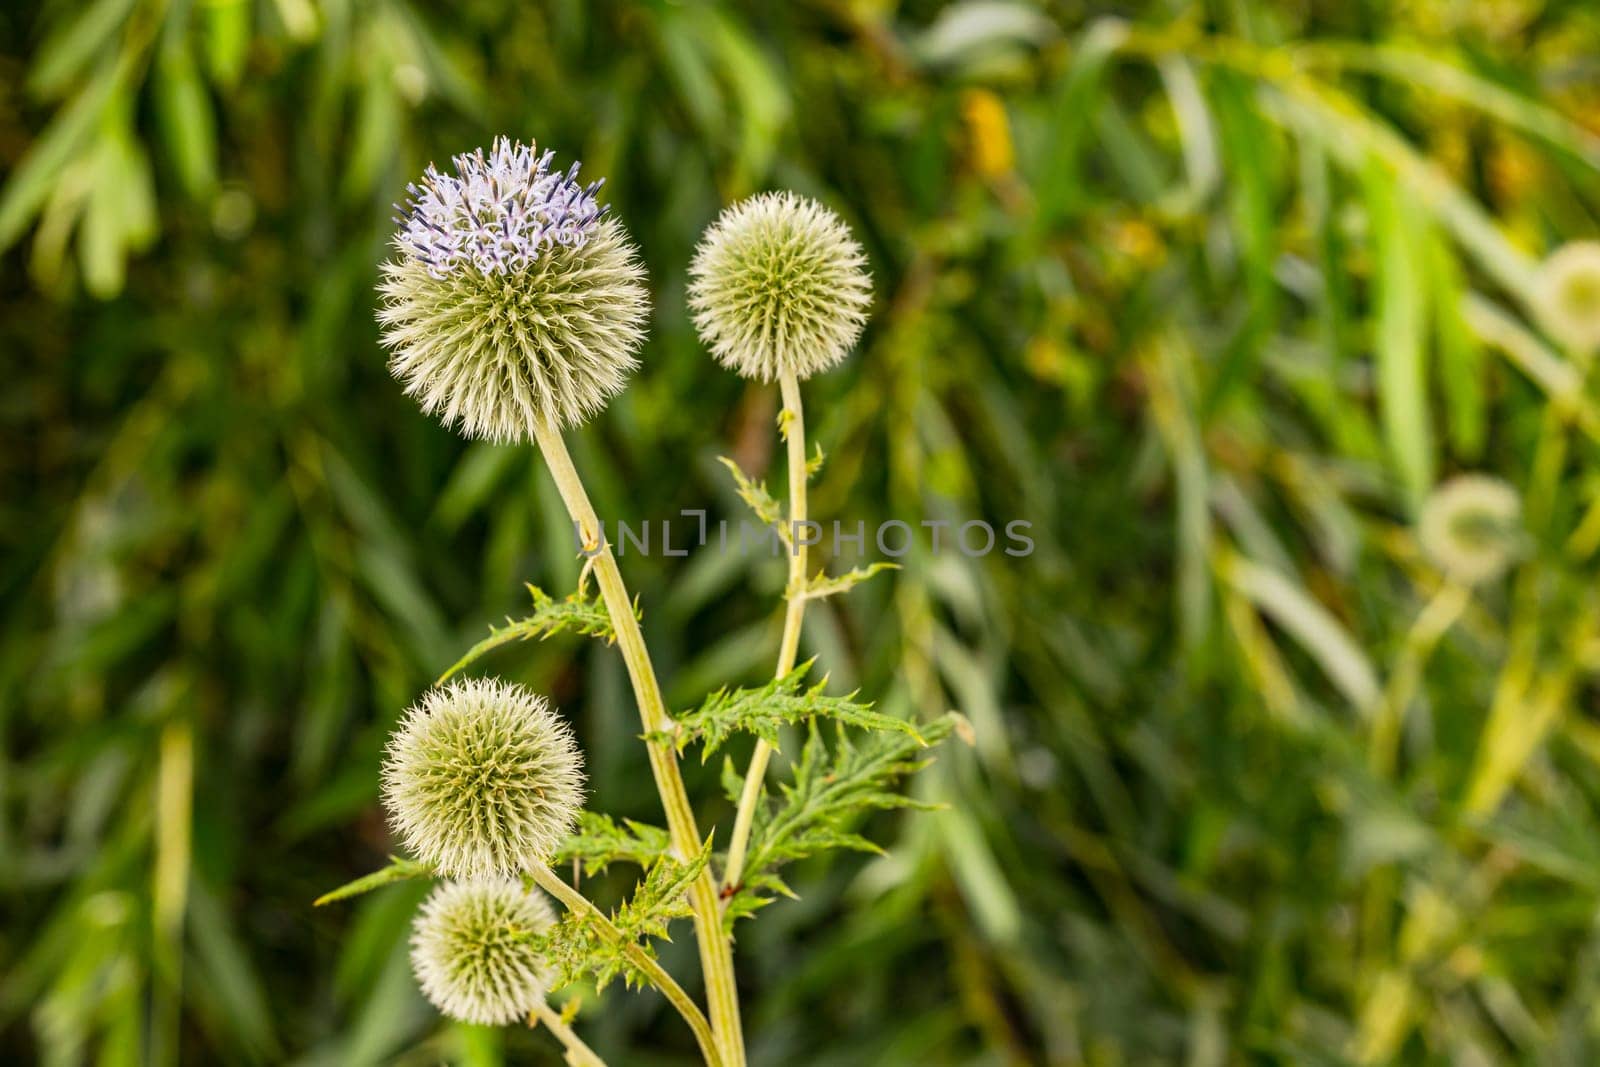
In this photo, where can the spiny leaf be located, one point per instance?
(762, 711)
(661, 896)
(579, 943)
(817, 810)
(576, 612)
(814, 464)
(755, 494)
(824, 586)
(600, 842)
(399, 870)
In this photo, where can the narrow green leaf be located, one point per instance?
(823, 586)
(399, 870)
(576, 612)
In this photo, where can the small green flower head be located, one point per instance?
(1471, 527)
(482, 779)
(471, 954)
(778, 286)
(1569, 295)
(513, 296)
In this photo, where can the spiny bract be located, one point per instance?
(471, 953)
(513, 297)
(482, 778)
(778, 286)
(1569, 295)
(1471, 527)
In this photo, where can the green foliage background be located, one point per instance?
(1211, 294)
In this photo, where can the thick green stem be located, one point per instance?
(794, 434)
(579, 1054)
(716, 954)
(575, 901)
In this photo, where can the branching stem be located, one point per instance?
(579, 1054)
(575, 901)
(716, 955)
(794, 434)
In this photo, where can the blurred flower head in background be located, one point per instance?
(1471, 527)
(1569, 295)
(482, 778)
(514, 298)
(778, 286)
(471, 952)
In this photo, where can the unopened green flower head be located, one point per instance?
(471, 952)
(482, 779)
(778, 286)
(1471, 527)
(513, 297)
(1569, 295)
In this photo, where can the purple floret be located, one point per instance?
(495, 214)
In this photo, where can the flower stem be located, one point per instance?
(794, 434)
(579, 1054)
(716, 955)
(575, 901)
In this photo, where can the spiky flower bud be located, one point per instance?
(482, 778)
(471, 953)
(1569, 295)
(1471, 527)
(513, 296)
(778, 286)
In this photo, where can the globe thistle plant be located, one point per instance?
(471, 952)
(512, 310)
(1471, 527)
(1569, 295)
(778, 287)
(482, 779)
(513, 297)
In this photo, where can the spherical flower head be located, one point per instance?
(1471, 527)
(778, 286)
(1569, 295)
(512, 297)
(471, 952)
(482, 779)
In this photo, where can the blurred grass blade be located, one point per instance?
(1247, 144)
(1399, 245)
(31, 182)
(1309, 623)
(1168, 372)
(187, 124)
(66, 53)
(1413, 66)
(1199, 139)
(1058, 186)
